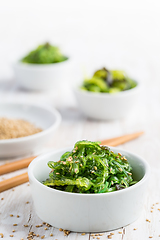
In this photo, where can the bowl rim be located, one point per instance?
(130, 188)
(21, 64)
(134, 90)
(54, 125)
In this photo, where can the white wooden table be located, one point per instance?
(75, 126)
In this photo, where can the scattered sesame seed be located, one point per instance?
(101, 234)
(13, 230)
(57, 173)
(1, 234)
(150, 237)
(92, 234)
(134, 228)
(60, 229)
(151, 211)
(11, 235)
(18, 216)
(15, 224)
(152, 207)
(147, 220)
(22, 239)
(28, 184)
(95, 168)
(42, 236)
(157, 202)
(120, 232)
(51, 234)
(44, 222)
(77, 161)
(119, 154)
(13, 189)
(83, 234)
(97, 234)
(94, 237)
(26, 225)
(2, 198)
(80, 164)
(129, 173)
(111, 233)
(27, 202)
(37, 235)
(45, 228)
(98, 237)
(159, 209)
(11, 215)
(110, 236)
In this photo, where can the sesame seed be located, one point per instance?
(147, 220)
(150, 237)
(110, 236)
(11, 235)
(27, 202)
(18, 216)
(119, 154)
(1, 234)
(97, 234)
(111, 233)
(129, 173)
(83, 234)
(11, 215)
(43, 237)
(152, 207)
(60, 229)
(13, 230)
(120, 232)
(159, 209)
(37, 235)
(98, 237)
(2, 198)
(134, 228)
(51, 234)
(80, 164)
(15, 224)
(151, 211)
(57, 173)
(45, 228)
(77, 161)
(94, 237)
(26, 225)
(92, 234)
(95, 168)
(22, 239)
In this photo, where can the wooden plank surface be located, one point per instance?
(75, 126)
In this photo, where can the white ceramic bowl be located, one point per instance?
(87, 212)
(41, 116)
(42, 76)
(105, 106)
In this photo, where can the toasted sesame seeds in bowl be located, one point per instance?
(88, 212)
(43, 117)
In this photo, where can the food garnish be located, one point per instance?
(44, 54)
(108, 81)
(90, 168)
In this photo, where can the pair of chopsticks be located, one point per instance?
(17, 165)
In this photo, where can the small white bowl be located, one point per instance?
(106, 106)
(48, 119)
(87, 212)
(42, 76)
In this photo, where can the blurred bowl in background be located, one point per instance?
(106, 106)
(42, 76)
(46, 118)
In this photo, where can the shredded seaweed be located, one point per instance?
(90, 168)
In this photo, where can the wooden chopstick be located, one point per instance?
(15, 181)
(16, 165)
(113, 142)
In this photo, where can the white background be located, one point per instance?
(116, 34)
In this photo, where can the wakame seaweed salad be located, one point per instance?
(90, 168)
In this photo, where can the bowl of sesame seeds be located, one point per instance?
(83, 212)
(25, 128)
